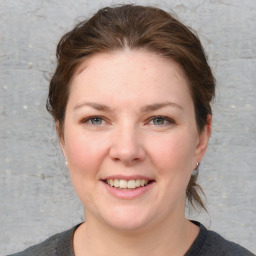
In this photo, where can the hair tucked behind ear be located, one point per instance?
(134, 27)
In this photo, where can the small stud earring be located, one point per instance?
(66, 163)
(196, 170)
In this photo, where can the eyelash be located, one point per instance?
(165, 119)
(90, 118)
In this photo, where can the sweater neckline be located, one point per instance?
(65, 244)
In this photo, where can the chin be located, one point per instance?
(128, 218)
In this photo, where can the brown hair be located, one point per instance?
(134, 27)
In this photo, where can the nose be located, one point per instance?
(127, 146)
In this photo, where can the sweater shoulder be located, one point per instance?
(50, 247)
(210, 243)
(215, 244)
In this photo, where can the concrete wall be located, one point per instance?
(36, 197)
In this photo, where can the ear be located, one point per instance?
(203, 140)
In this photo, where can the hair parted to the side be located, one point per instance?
(134, 27)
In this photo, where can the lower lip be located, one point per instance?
(128, 193)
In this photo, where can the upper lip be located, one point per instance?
(124, 177)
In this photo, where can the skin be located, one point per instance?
(126, 90)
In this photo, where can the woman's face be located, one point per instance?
(130, 139)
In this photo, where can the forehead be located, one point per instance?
(129, 73)
(142, 57)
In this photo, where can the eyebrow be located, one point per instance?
(157, 106)
(96, 106)
(147, 108)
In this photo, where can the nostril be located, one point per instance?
(126, 148)
(116, 159)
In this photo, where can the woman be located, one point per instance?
(131, 101)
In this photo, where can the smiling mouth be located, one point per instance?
(128, 184)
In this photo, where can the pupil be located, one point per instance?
(96, 121)
(158, 121)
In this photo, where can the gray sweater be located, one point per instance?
(207, 243)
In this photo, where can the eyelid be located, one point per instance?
(166, 118)
(87, 119)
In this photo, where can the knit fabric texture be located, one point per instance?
(207, 243)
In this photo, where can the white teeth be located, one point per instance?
(142, 182)
(124, 184)
(131, 184)
(137, 183)
(116, 183)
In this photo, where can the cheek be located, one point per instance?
(84, 155)
(84, 152)
(173, 154)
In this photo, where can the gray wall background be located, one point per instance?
(36, 197)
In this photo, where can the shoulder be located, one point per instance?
(217, 243)
(59, 244)
(209, 243)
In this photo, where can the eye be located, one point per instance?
(160, 120)
(94, 121)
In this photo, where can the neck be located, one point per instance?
(172, 238)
